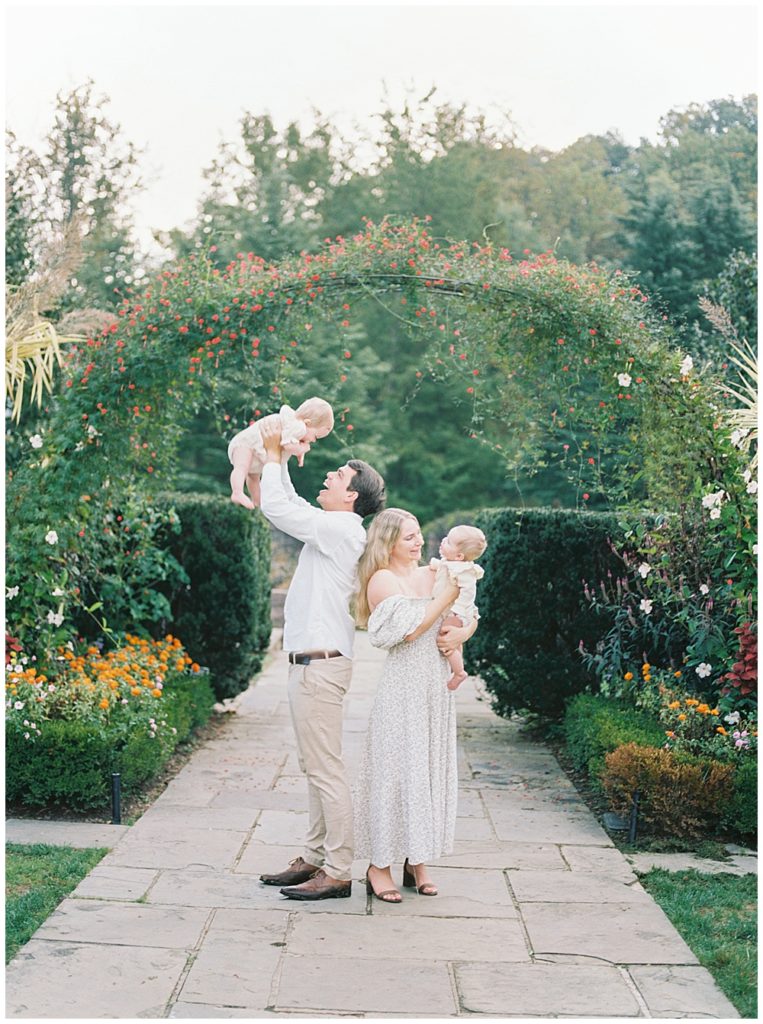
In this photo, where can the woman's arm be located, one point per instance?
(451, 637)
(434, 611)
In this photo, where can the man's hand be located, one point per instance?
(270, 431)
(451, 637)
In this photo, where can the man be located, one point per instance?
(319, 633)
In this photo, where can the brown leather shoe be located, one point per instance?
(298, 871)
(320, 887)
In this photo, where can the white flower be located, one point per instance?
(752, 487)
(644, 570)
(703, 670)
(646, 605)
(36, 441)
(25, 722)
(737, 436)
(713, 499)
(704, 589)
(26, 735)
(732, 718)
(11, 592)
(624, 380)
(51, 688)
(92, 432)
(19, 705)
(51, 537)
(55, 618)
(755, 549)
(715, 513)
(686, 366)
(57, 592)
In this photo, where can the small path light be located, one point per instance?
(116, 799)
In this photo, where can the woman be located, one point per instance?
(406, 792)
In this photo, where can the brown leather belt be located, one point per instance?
(305, 657)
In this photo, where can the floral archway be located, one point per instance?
(573, 360)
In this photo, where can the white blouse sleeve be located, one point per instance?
(393, 619)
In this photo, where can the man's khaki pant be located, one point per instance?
(316, 692)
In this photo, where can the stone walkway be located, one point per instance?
(539, 914)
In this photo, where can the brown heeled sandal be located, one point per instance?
(409, 882)
(370, 891)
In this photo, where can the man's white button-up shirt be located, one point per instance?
(317, 609)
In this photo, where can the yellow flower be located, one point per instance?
(691, 702)
(703, 709)
(715, 711)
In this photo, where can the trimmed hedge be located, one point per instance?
(223, 612)
(532, 610)
(593, 726)
(740, 813)
(70, 763)
(678, 796)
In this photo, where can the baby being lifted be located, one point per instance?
(313, 419)
(459, 549)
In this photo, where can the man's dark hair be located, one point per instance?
(369, 486)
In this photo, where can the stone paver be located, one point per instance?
(681, 991)
(539, 990)
(618, 933)
(736, 865)
(80, 835)
(539, 914)
(63, 980)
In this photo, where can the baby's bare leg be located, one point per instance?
(253, 486)
(456, 658)
(242, 460)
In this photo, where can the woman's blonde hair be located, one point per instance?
(317, 411)
(383, 534)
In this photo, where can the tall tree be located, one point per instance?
(89, 174)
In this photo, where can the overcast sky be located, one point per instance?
(180, 77)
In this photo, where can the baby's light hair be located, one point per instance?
(471, 543)
(317, 411)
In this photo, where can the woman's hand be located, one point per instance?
(451, 637)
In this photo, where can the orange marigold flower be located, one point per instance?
(136, 691)
(628, 676)
(677, 674)
(195, 667)
(682, 718)
(674, 704)
(103, 704)
(721, 730)
(156, 693)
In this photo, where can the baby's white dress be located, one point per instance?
(406, 791)
(465, 575)
(292, 430)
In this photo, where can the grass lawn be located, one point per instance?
(716, 915)
(37, 878)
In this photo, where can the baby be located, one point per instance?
(299, 427)
(458, 549)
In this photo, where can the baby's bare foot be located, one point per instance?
(455, 680)
(239, 498)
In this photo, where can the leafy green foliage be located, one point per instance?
(594, 725)
(532, 616)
